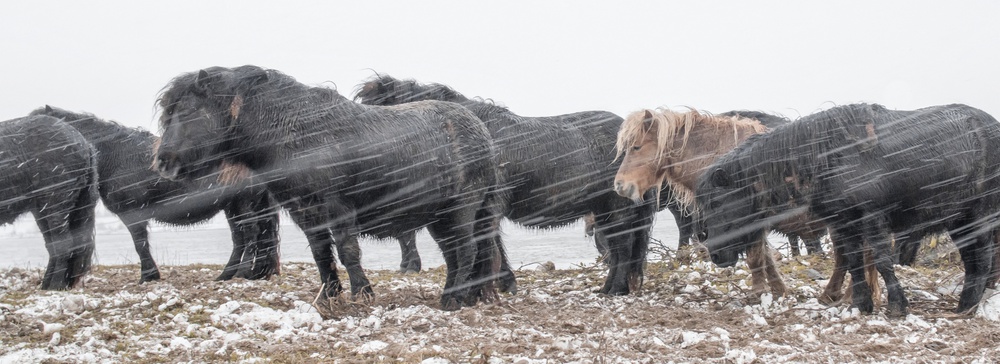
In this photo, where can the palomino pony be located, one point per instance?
(867, 172)
(49, 169)
(137, 194)
(674, 148)
(342, 169)
(557, 169)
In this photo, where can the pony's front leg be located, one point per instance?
(763, 269)
(455, 238)
(833, 292)
(350, 256)
(850, 236)
(313, 223)
(881, 249)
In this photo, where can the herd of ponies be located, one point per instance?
(402, 156)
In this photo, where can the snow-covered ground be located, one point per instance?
(687, 311)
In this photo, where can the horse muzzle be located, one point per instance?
(628, 190)
(167, 166)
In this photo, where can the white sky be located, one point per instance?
(538, 58)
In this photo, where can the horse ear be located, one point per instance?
(720, 178)
(203, 80)
(48, 109)
(258, 76)
(647, 117)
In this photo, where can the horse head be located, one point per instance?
(199, 114)
(642, 167)
(727, 220)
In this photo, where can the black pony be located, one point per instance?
(810, 232)
(344, 169)
(866, 171)
(557, 169)
(50, 170)
(136, 193)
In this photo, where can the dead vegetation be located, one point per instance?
(687, 311)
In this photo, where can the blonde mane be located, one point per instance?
(669, 125)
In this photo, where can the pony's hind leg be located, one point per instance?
(977, 256)
(410, 262)
(60, 248)
(833, 292)
(82, 223)
(793, 245)
(140, 237)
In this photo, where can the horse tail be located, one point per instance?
(81, 223)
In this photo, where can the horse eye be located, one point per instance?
(637, 147)
(715, 204)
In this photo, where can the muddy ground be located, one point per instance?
(687, 311)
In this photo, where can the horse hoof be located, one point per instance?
(409, 270)
(150, 278)
(366, 294)
(449, 303)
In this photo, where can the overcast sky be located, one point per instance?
(537, 58)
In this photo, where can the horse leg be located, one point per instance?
(813, 245)
(613, 227)
(257, 218)
(685, 223)
(411, 257)
(267, 255)
(140, 237)
(756, 261)
(977, 257)
(60, 247)
(349, 253)
(43, 226)
(239, 230)
(313, 222)
(600, 240)
(995, 271)
(853, 243)
(793, 245)
(833, 291)
(455, 238)
(82, 227)
(640, 237)
(907, 246)
(882, 257)
(508, 283)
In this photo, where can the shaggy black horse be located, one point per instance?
(136, 193)
(342, 169)
(866, 171)
(557, 170)
(50, 170)
(801, 230)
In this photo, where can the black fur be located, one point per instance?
(867, 171)
(137, 194)
(50, 170)
(343, 169)
(557, 170)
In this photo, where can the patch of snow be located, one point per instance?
(373, 346)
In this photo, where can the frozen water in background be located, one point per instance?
(210, 243)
